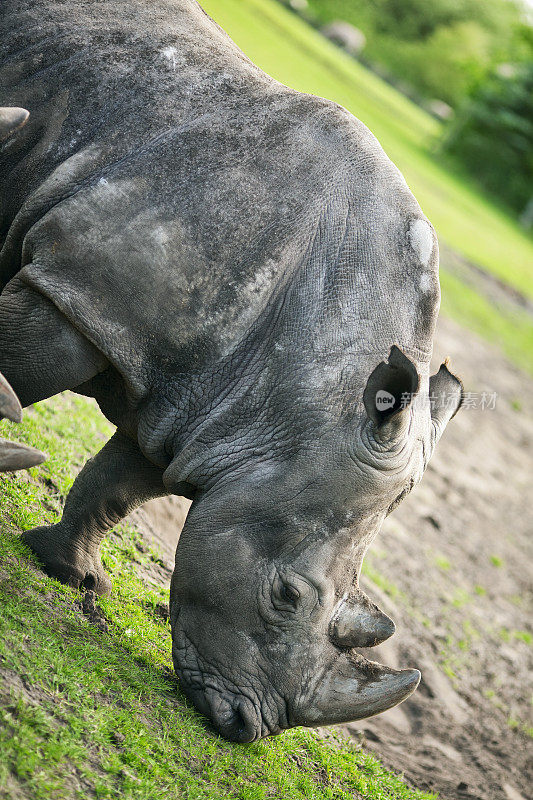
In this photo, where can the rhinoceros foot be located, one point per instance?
(11, 120)
(69, 564)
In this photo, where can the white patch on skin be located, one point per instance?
(426, 282)
(106, 191)
(170, 54)
(160, 236)
(421, 239)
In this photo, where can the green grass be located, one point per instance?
(519, 636)
(512, 331)
(293, 53)
(383, 583)
(443, 563)
(100, 714)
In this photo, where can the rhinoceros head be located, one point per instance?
(266, 610)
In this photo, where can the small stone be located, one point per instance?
(511, 792)
(89, 602)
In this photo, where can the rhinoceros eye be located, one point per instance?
(285, 595)
(290, 594)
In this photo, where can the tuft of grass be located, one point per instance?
(516, 725)
(496, 561)
(380, 580)
(460, 598)
(84, 712)
(520, 636)
(443, 563)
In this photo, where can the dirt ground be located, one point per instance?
(453, 567)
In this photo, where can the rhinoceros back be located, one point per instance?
(165, 194)
(118, 73)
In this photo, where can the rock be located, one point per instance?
(347, 36)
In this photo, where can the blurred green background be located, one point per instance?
(468, 61)
(446, 86)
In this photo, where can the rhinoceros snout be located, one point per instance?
(235, 718)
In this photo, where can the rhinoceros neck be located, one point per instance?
(301, 367)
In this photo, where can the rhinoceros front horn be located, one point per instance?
(9, 403)
(14, 456)
(357, 688)
(358, 622)
(11, 119)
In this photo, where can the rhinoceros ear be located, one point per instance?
(446, 397)
(11, 119)
(389, 391)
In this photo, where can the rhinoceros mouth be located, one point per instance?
(234, 716)
(239, 714)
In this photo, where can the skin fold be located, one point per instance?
(244, 282)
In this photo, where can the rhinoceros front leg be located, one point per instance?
(117, 480)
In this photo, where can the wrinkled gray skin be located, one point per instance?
(225, 265)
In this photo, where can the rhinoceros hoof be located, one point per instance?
(67, 563)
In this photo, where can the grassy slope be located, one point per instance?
(295, 54)
(94, 713)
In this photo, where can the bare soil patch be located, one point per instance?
(452, 566)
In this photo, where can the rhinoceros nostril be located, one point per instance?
(235, 719)
(240, 727)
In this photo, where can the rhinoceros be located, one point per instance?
(243, 280)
